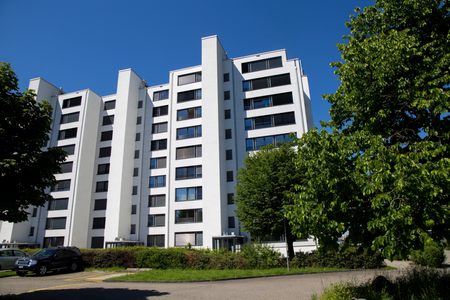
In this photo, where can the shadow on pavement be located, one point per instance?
(91, 293)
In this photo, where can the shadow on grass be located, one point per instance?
(88, 293)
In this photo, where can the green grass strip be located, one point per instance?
(190, 275)
(7, 273)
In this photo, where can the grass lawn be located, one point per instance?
(188, 274)
(7, 273)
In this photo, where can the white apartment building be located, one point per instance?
(157, 165)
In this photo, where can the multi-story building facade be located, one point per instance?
(158, 164)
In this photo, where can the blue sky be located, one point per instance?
(83, 44)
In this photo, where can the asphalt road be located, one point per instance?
(89, 285)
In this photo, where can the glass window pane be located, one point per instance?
(260, 83)
(257, 65)
(248, 124)
(246, 86)
(249, 145)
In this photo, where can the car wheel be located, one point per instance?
(21, 274)
(73, 266)
(42, 270)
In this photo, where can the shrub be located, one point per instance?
(431, 256)
(107, 258)
(349, 259)
(160, 258)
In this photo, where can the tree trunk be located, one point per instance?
(290, 241)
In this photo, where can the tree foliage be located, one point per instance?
(25, 169)
(383, 173)
(264, 186)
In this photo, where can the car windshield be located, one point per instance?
(45, 252)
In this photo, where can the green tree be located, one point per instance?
(26, 170)
(383, 174)
(264, 186)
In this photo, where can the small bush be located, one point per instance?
(431, 256)
(160, 258)
(107, 258)
(350, 259)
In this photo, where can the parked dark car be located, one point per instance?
(51, 259)
(8, 257)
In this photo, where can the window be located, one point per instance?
(156, 200)
(55, 223)
(226, 77)
(101, 186)
(159, 127)
(53, 241)
(97, 242)
(158, 145)
(139, 120)
(189, 78)
(186, 194)
(157, 181)
(108, 120)
(67, 134)
(230, 198)
(161, 95)
(72, 102)
(31, 231)
(155, 240)
(226, 95)
(227, 134)
(66, 167)
(192, 238)
(58, 204)
(160, 111)
(188, 216)
(189, 152)
(189, 132)
(266, 82)
(100, 204)
(135, 190)
(110, 105)
(133, 209)
(133, 229)
(70, 118)
(34, 214)
(106, 136)
(99, 223)
(103, 169)
(136, 154)
(267, 101)
(158, 163)
(140, 103)
(105, 152)
(230, 176)
(229, 154)
(63, 185)
(190, 113)
(69, 149)
(227, 113)
(231, 222)
(263, 64)
(189, 95)
(138, 137)
(270, 121)
(188, 172)
(156, 220)
(256, 143)
(135, 172)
